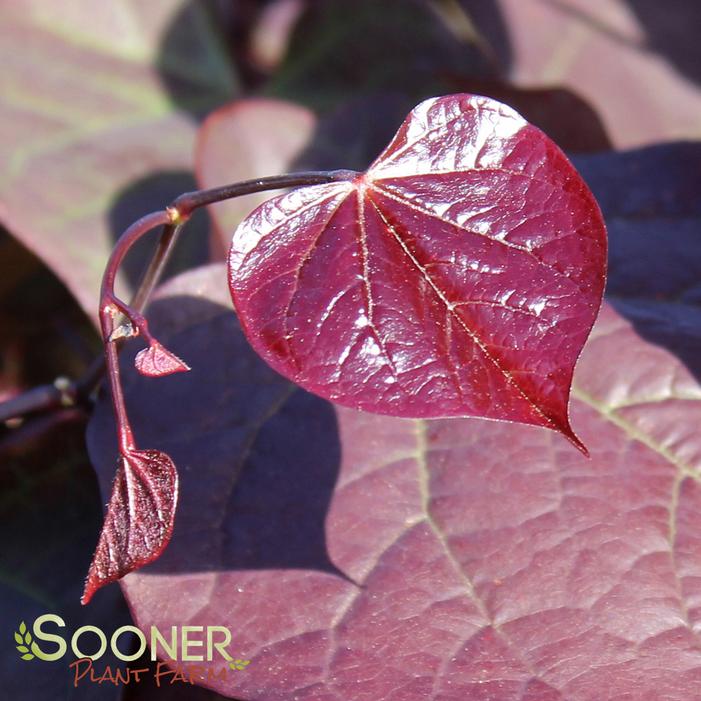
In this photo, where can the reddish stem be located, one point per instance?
(110, 306)
(179, 212)
(124, 432)
(156, 266)
(170, 219)
(122, 247)
(190, 201)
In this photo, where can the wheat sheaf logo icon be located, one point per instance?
(23, 638)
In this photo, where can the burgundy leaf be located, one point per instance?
(459, 276)
(157, 361)
(491, 561)
(139, 519)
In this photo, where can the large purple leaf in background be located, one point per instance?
(458, 276)
(92, 97)
(482, 560)
(596, 46)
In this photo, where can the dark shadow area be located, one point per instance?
(492, 32)
(672, 30)
(50, 510)
(150, 194)
(50, 504)
(341, 50)
(197, 54)
(258, 458)
(43, 331)
(336, 50)
(354, 134)
(650, 200)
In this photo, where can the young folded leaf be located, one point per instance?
(139, 520)
(158, 361)
(460, 275)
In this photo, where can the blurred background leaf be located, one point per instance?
(634, 61)
(92, 97)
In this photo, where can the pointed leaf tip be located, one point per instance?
(158, 361)
(139, 519)
(574, 439)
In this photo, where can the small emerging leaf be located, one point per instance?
(27, 637)
(139, 520)
(22, 628)
(157, 361)
(460, 275)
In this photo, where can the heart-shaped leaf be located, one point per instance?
(139, 519)
(458, 276)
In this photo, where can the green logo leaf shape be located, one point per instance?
(239, 664)
(23, 638)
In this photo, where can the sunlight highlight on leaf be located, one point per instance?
(459, 276)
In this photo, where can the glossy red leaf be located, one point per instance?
(157, 361)
(139, 519)
(458, 276)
